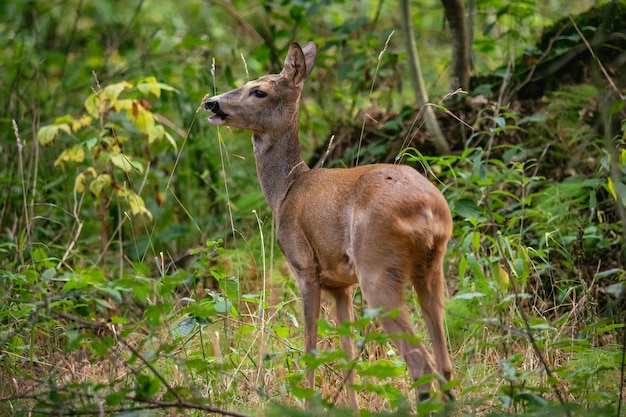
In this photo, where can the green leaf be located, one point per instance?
(185, 327)
(532, 399)
(617, 107)
(48, 274)
(104, 303)
(246, 329)
(281, 332)
(115, 398)
(231, 288)
(469, 296)
(47, 134)
(199, 365)
(223, 305)
(468, 209)
(153, 315)
(617, 290)
(382, 369)
(535, 118)
(146, 387)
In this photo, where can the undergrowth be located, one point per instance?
(527, 326)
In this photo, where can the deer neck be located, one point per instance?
(278, 163)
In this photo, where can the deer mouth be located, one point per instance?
(219, 116)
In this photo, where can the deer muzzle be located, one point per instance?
(219, 115)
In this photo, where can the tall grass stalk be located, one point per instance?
(261, 308)
(25, 236)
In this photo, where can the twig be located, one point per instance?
(380, 57)
(532, 70)
(604, 72)
(148, 404)
(257, 39)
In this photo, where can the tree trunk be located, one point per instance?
(418, 82)
(455, 14)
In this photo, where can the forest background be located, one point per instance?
(138, 269)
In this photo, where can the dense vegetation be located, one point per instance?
(138, 270)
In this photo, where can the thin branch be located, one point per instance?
(604, 72)
(380, 56)
(541, 58)
(145, 404)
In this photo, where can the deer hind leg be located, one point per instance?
(428, 281)
(343, 301)
(384, 288)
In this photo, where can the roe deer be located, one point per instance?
(379, 225)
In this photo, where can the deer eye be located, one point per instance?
(258, 93)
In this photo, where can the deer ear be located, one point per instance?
(310, 53)
(299, 62)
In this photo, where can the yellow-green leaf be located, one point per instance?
(156, 132)
(92, 105)
(91, 171)
(47, 134)
(74, 154)
(101, 183)
(113, 91)
(617, 190)
(125, 163)
(171, 140)
(610, 187)
(144, 120)
(81, 122)
(124, 104)
(79, 183)
(153, 87)
(136, 203)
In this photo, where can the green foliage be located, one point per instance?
(135, 280)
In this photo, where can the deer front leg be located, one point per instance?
(310, 293)
(343, 301)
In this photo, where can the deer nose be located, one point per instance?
(211, 105)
